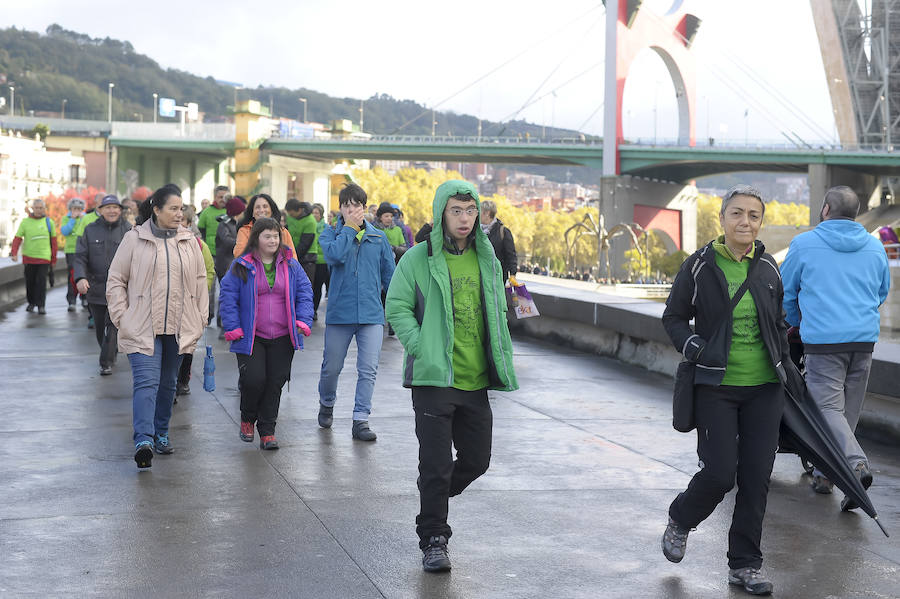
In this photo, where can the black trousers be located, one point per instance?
(184, 372)
(448, 418)
(261, 377)
(737, 436)
(71, 290)
(322, 277)
(36, 283)
(107, 334)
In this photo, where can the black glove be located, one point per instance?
(694, 348)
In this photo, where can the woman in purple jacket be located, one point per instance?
(265, 302)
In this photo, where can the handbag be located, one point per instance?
(683, 392)
(520, 300)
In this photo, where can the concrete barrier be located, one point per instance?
(575, 315)
(12, 280)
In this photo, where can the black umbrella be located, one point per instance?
(805, 432)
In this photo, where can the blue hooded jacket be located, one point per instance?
(360, 270)
(237, 300)
(835, 277)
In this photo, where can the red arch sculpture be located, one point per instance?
(668, 35)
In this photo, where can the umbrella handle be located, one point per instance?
(878, 522)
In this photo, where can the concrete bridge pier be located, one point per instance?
(670, 209)
(822, 177)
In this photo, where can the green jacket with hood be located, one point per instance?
(419, 306)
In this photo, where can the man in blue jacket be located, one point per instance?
(835, 278)
(362, 264)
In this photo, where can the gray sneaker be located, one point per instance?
(436, 557)
(162, 445)
(326, 416)
(822, 485)
(753, 581)
(362, 431)
(864, 475)
(674, 541)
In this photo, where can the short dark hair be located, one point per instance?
(292, 205)
(352, 193)
(462, 197)
(220, 188)
(842, 202)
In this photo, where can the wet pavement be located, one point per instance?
(584, 465)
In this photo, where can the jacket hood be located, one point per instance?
(842, 235)
(441, 196)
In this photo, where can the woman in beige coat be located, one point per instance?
(159, 302)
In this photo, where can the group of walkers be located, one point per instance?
(831, 284)
(149, 289)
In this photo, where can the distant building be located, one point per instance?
(29, 170)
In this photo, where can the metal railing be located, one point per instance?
(200, 131)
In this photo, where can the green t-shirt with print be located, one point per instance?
(36, 234)
(749, 363)
(470, 369)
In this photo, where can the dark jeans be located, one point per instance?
(71, 291)
(36, 283)
(447, 417)
(737, 435)
(261, 376)
(322, 277)
(107, 334)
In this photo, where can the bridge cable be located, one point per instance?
(556, 68)
(497, 68)
(772, 91)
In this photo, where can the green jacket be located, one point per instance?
(320, 256)
(419, 306)
(80, 223)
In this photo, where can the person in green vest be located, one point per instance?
(36, 237)
(72, 228)
(323, 274)
(447, 303)
(306, 241)
(208, 224)
(384, 220)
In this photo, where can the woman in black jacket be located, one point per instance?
(738, 393)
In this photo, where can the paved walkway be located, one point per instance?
(584, 465)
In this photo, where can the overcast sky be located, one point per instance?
(430, 51)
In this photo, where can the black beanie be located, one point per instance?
(384, 208)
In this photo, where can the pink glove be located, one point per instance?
(234, 335)
(303, 328)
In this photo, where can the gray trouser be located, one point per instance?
(837, 383)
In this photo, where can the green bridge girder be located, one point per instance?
(668, 163)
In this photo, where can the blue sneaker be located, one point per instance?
(143, 454)
(162, 445)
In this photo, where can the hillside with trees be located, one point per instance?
(65, 65)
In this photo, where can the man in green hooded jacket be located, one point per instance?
(447, 305)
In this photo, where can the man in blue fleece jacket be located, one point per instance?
(835, 278)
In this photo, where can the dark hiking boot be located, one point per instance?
(42, 310)
(362, 431)
(162, 445)
(865, 477)
(71, 307)
(436, 557)
(30, 308)
(182, 389)
(674, 541)
(822, 485)
(753, 581)
(143, 454)
(246, 431)
(105, 370)
(326, 416)
(268, 442)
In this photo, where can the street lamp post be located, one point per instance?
(155, 105)
(109, 102)
(12, 100)
(304, 109)
(362, 115)
(433, 122)
(63, 111)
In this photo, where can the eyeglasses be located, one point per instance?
(458, 211)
